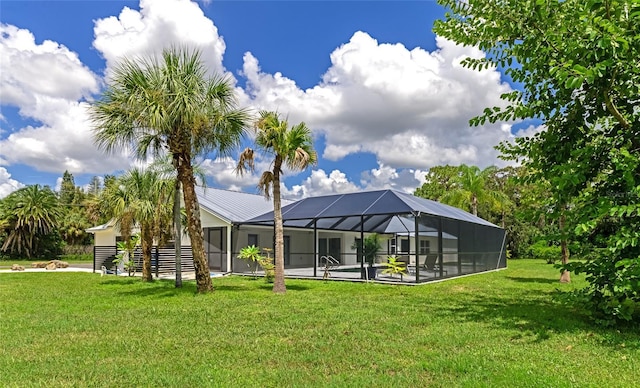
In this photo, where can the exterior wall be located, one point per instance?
(210, 221)
(105, 237)
(301, 245)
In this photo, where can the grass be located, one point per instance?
(497, 329)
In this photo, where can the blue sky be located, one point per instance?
(385, 98)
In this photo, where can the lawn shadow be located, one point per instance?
(532, 280)
(161, 288)
(290, 287)
(536, 316)
(227, 287)
(121, 281)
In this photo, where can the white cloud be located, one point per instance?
(408, 107)
(337, 182)
(8, 185)
(30, 70)
(46, 82)
(530, 131)
(63, 142)
(221, 170)
(159, 24)
(385, 177)
(319, 183)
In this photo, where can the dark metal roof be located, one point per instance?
(377, 208)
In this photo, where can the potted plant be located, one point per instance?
(371, 246)
(252, 255)
(395, 266)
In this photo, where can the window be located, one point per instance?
(252, 239)
(424, 247)
(404, 245)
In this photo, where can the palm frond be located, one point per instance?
(265, 184)
(245, 162)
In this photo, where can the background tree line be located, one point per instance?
(503, 197)
(37, 222)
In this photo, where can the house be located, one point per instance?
(323, 234)
(221, 211)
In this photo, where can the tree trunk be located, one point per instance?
(194, 225)
(147, 244)
(278, 282)
(565, 276)
(177, 234)
(474, 205)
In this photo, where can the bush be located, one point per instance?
(613, 293)
(77, 253)
(543, 250)
(77, 257)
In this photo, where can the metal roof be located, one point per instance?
(234, 206)
(339, 211)
(102, 227)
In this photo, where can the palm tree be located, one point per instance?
(168, 103)
(470, 189)
(291, 147)
(29, 215)
(141, 198)
(165, 168)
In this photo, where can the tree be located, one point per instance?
(470, 188)
(30, 216)
(95, 186)
(438, 181)
(163, 166)
(67, 189)
(153, 104)
(291, 147)
(577, 62)
(466, 187)
(74, 206)
(141, 198)
(520, 209)
(72, 226)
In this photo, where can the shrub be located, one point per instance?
(543, 250)
(613, 293)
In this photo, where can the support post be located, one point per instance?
(363, 274)
(157, 256)
(315, 248)
(440, 250)
(416, 233)
(177, 236)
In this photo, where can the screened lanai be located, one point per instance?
(324, 237)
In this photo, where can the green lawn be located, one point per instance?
(497, 329)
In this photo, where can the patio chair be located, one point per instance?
(431, 264)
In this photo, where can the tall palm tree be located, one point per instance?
(168, 103)
(29, 214)
(164, 167)
(291, 147)
(141, 198)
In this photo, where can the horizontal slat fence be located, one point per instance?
(163, 260)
